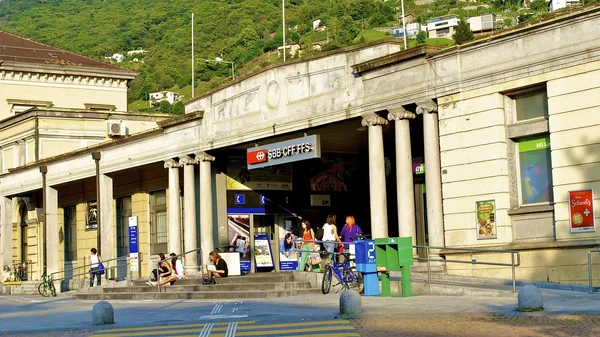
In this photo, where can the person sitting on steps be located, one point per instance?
(220, 268)
(165, 270)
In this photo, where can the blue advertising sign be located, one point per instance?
(133, 235)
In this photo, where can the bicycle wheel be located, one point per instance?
(52, 288)
(355, 280)
(43, 290)
(326, 284)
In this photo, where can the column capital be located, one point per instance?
(426, 106)
(373, 119)
(203, 156)
(170, 163)
(187, 160)
(399, 113)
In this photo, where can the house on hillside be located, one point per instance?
(118, 58)
(136, 51)
(482, 23)
(443, 26)
(412, 29)
(558, 4)
(169, 96)
(292, 49)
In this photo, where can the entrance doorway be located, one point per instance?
(123, 214)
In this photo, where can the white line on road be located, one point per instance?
(231, 329)
(217, 309)
(206, 329)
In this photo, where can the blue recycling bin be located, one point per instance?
(366, 264)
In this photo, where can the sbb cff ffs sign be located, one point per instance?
(284, 152)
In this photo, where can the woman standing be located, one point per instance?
(95, 259)
(330, 235)
(308, 235)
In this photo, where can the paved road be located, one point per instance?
(566, 314)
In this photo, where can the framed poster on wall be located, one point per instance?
(91, 219)
(581, 211)
(486, 219)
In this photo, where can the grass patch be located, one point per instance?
(371, 35)
(497, 315)
(529, 309)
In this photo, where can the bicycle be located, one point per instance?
(47, 286)
(346, 274)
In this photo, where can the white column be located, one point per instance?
(377, 190)
(207, 240)
(107, 231)
(189, 219)
(174, 209)
(51, 218)
(433, 178)
(6, 214)
(404, 174)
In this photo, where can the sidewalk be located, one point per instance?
(34, 314)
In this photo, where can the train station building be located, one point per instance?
(492, 144)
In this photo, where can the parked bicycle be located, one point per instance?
(346, 274)
(46, 288)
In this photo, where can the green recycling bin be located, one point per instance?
(394, 254)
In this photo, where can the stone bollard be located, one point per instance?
(103, 313)
(350, 302)
(530, 297)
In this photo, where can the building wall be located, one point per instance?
(63, 92)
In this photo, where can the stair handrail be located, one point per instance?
(513, 264)
(169, 258)
(106, 268)
(589, 261)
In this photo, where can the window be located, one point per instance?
(158, 222)
(531, 105)
(535, 170)
(528, 129)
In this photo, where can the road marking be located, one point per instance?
(217, 309)
(334, 328)
(206, 330)
(222, 316)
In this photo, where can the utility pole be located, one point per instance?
(283, 16)
(403, 25)
(192, 55)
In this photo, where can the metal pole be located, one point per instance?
(96, 156)
(590, 270)
(44, 170)
(512, 258)
(403, 25)
(192, 54)
(232, 70)
(283, 16)
(428, 270)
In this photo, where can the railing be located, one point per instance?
(22, 271)
(106, 265)
(590, 268)
(169, 258)
(515, 257)
(512, 253)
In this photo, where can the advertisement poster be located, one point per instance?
(581, 211)
(262, 251)
(92, 215)
(276, 178)
(486, 219)
(238, 227)
(288, 252)
(335, 174)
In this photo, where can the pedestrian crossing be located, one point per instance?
(332, 328)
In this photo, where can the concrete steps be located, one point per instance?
(260, 285)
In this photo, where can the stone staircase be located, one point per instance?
(259, 285)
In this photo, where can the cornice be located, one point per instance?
(51, 69)
(62, 79)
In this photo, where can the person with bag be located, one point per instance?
(163, 272)
(308, 235)
(96, 263)
(217, 270)
(330, 235)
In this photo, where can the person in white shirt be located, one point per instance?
(330, 235)
(95, 259)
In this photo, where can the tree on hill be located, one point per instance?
(463, 33)
(421, 37)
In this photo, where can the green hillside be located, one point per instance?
(246, 32)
